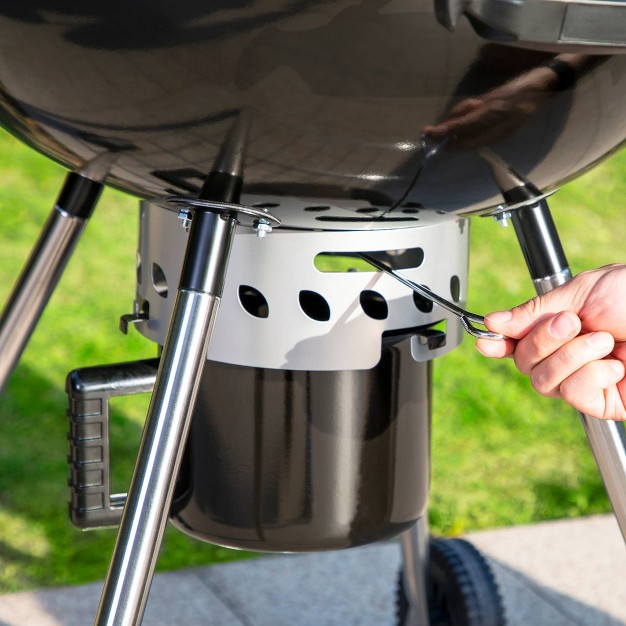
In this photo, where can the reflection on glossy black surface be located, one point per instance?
(337, 93)
(295, 461)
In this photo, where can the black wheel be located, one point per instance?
(462, 590)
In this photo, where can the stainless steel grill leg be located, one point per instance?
(415, 542)
(184, 354)
(549, 269)
(44, 268)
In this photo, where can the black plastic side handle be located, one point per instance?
(89, 390)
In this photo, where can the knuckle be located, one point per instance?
(538, 344)
(568, 391)
(532, 307)
(567, 355)
(520, 363)
(540, 382)
(529, 352)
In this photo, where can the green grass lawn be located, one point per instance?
(501, 454)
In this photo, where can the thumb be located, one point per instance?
(517, 322)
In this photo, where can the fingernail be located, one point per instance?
(563, 326)
(499, 317)
(617, 367)
(601, 342)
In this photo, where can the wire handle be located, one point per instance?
(465, 317)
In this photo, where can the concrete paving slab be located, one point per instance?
(524, 604)
(176, 599)
(551, 574)
(350, 588)
(577, 566)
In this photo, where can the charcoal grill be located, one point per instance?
(272, 144)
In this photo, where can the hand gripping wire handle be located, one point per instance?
(465, 317)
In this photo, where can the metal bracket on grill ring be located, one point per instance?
(223, 207)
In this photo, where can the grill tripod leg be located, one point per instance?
(415, 546)
(546, 262)
(185, 351)
(446, 581)
(44, 268)
(211, 233)
(548, 268)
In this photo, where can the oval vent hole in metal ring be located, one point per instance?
(318, 208)
(314, 305)
(253, 301)
(405, 259)
(266, 205)
(159, 282)
(374, 305)
(138, 268)
(423, 304)
(455, 288)
(353, 218)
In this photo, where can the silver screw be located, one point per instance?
(185, 216)
(262, 228)
(503, 218)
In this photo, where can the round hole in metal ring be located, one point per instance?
(159, 281)
(253, 301)
(374, 305)
(455, 288)
(314, 305)
(423, 304)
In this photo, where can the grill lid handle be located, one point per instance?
(587, 26)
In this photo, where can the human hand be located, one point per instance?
(571, 341)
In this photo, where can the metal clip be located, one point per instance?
(131, 318)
